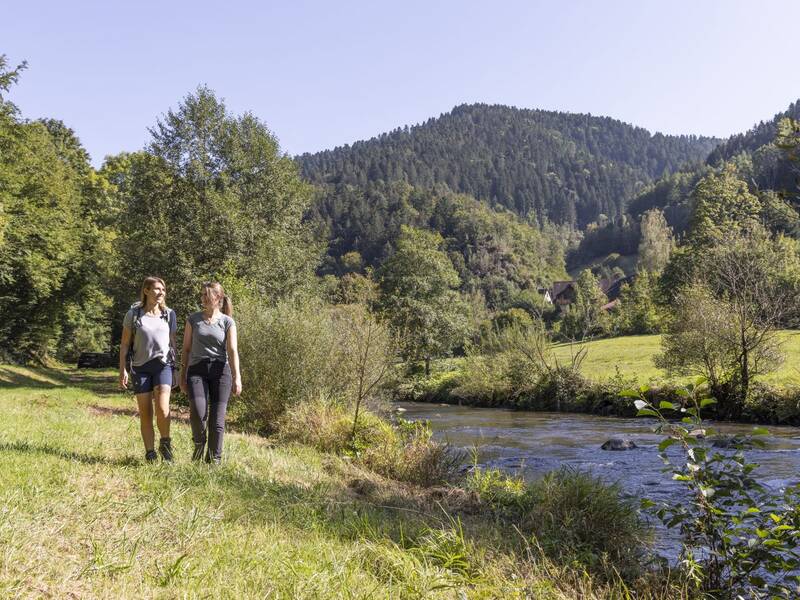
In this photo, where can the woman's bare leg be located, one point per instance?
(145, 402)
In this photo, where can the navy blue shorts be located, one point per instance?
(151, 374)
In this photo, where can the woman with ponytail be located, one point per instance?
(210, 370)
(148, 343)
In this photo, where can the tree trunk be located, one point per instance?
(427, 366)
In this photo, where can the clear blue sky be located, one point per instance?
(326, 73)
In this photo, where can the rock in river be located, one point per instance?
(618, 444)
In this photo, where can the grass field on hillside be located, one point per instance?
(82, 516)
(633, 356)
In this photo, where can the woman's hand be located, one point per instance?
(237, 386)
(123, 379)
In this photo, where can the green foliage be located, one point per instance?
(55, 239)
(494, 252)
(740, 539)
(725, 324)
(419, 298)
(212, 197)
(638, 312)
(656, 242)
(723, 205)
(294, 352)
(563, 168)
(288, 356)
(585, 317)
(571, 515)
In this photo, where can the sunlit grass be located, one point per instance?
(633, 357)
(81, 515)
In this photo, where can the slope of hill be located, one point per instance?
(759, 135)
(561, 167)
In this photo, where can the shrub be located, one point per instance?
(295, 352)
(572, 516)
(287, 357)
(766, 404)
(740, 538)
(577, 516)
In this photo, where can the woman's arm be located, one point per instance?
(185, 353)
(124, 347)
(233, 359)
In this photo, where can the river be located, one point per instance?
(533, 443)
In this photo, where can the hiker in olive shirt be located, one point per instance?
(210, 370)
(148, 342)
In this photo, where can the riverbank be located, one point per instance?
(83, 516)
(610, 366)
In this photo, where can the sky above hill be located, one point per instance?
(322, 74)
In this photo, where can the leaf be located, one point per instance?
(643, 389)
(760, 431)
(775, 517)
(708, 492)
(664, 405)
(682, 392)
(666, 444)
(707, 402)
(646, 412)
(700, 380)
(629, 394)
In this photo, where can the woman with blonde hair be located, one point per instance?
(210, 370)
(148, 343)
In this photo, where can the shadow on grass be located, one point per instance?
(87, 459)
(179, 413)
(10, 378)
(331, 509)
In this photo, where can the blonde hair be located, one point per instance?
(217, 293)
(147, 285)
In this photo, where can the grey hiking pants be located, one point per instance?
(209, 390)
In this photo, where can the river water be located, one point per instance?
(533, 443)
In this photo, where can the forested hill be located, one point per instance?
(562, 167)
(760, 135)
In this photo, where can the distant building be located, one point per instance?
(563, 293)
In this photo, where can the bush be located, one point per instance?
(561, 388)
(286, 353)
(572, 516)
(577, 516)
(766, 404)
(295, 352)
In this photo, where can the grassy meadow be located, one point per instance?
(82, 516)
(633, 356)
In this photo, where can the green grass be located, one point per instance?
(81, 515)
(633, 356)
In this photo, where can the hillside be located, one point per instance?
(757, 136)
(561, 167)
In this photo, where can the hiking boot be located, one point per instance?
(165, 448)
(151, 456)
(197, 455)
